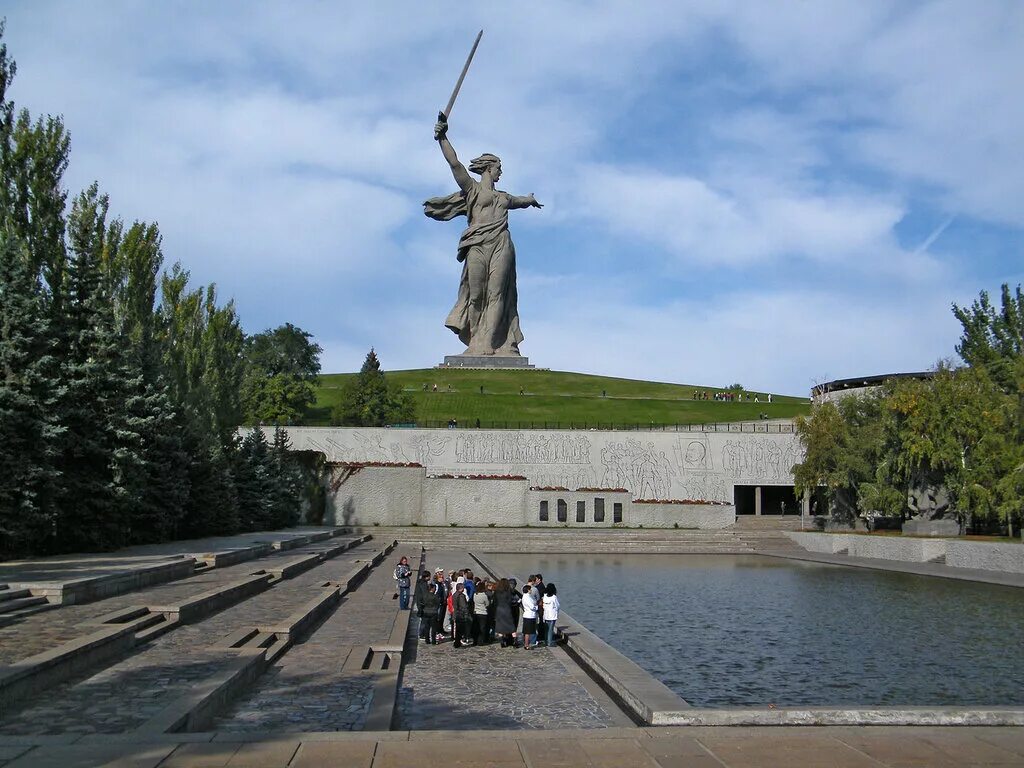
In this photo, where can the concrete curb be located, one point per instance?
(30, 675)
(817, 716)
(94, 588)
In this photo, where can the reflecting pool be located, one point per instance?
(745, 630)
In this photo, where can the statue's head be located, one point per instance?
(487, 162)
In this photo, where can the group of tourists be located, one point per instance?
(474, 611)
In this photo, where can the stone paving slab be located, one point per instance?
(44, 631)
(126, 694)
(795, 747)
(312, 687)
(491, 687)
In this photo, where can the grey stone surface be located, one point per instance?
(487, 361)
(937, 527)
(126, 694)
(665, 466)
(958, 555)
(313, 687)
(45, 631)
(486, 313)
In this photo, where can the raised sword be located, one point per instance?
(465, 69)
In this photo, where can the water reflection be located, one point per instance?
(749, 631)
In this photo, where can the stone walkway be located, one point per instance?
(127, 693)
(312, 688)
(877, 747)
(44, 631)
(491, 687)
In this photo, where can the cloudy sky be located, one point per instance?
(769, 193)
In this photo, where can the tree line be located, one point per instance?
(122, 386)
(959, 433)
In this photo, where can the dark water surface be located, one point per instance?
(744, 630)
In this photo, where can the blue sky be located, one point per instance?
(769, 193)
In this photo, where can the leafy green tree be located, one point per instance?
(369, 401)
(958, 426)
(282, 369)
(844, 444)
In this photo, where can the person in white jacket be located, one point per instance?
(551, 606)
(529, 607)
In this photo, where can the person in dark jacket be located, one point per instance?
(422, 587)
(463, 619)
(430, 605)
(504, 620)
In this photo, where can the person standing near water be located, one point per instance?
(403, 574)
(551, 607)
(529, 606)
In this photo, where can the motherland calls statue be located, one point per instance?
(486, 315)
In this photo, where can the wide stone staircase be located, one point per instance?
(606, 540)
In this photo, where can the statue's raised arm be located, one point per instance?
(462, 177)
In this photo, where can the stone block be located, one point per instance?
(948, 528)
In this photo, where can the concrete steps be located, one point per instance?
(572, 540)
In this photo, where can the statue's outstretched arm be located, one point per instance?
(462, 177)
(523, 201)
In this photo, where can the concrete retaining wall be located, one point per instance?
(402, 496)
(368, 495)
(985, 556)
(979, 555)
(651, 465)
(683, 515)
(473, 502)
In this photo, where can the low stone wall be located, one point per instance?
(400, 495)
(958, 554)
(985, 556)
(708, 516)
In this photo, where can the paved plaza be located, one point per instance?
(300, 656)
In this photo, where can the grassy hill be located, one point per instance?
(556, 398)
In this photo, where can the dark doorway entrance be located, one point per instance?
(775, 500)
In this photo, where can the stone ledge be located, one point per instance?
(823, 716)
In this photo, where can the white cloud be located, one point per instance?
(771, 151)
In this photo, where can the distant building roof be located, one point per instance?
(862, 382)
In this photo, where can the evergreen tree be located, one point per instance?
(288, 482)
(27, 433)
(994, 339)
(255, 482)
(162, 489)
(368, 400)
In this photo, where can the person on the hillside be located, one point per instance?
(481, 602)
(504, 621)
(551, 608)
(461, 617)
(422, 587)
(529, 605)
(403, 575)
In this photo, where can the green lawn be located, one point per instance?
(556, 398)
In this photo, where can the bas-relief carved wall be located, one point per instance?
(652, 465)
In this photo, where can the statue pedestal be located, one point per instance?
(945, 527)
(485, 361)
